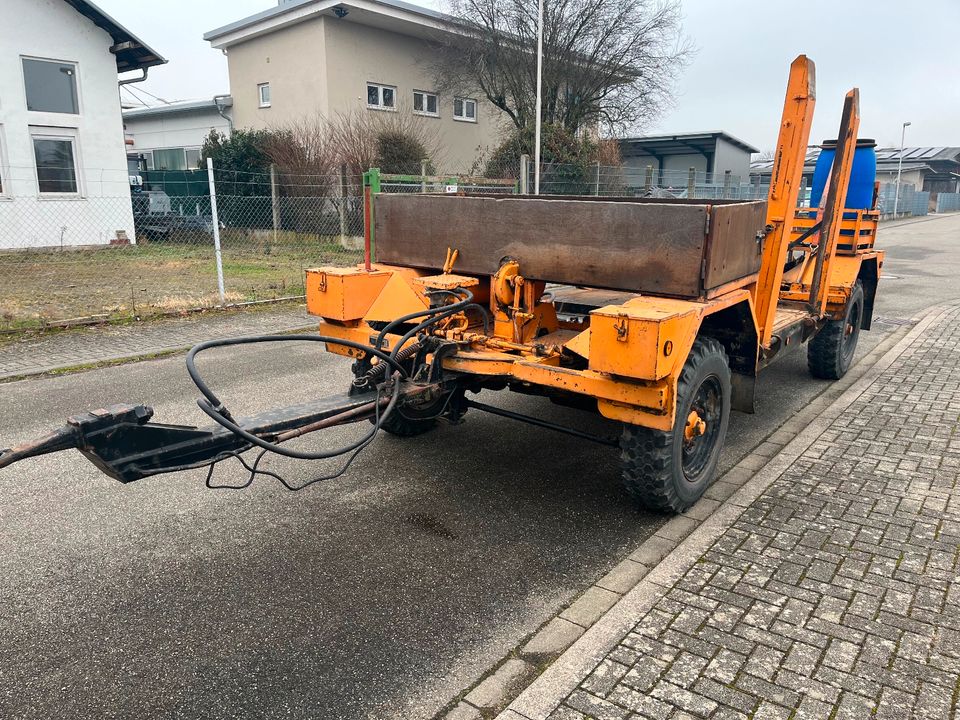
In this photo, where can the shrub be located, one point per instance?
(568, 161)
(399, 151)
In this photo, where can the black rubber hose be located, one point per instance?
(215, 401)
(215, 415)
(379, 371)
(378, 343)
(451, 310)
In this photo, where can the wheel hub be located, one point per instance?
(695, 427)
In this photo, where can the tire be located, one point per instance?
(830, 353)
(404, 422)
(666, 471)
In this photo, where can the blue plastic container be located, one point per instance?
(862, 176)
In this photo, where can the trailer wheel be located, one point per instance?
(668, 471)
(410, 422)
(830, 353)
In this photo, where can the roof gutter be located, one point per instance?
(130, 81)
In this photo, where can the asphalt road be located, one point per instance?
(377, 595)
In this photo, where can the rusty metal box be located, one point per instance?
(677, 248)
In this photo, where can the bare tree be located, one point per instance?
(609, 63)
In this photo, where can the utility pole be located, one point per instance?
(896, 197)
(536, 139)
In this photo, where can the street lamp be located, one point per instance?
(896, 198)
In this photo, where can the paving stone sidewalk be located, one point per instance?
(33, 354)
(835, 593)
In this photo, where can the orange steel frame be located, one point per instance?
(628, 357)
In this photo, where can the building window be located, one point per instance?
(381, 97)
(263, 93)
(425, 103)
(169, 159)
(193, 158)
(147, 156)
(465, 109)
(51, 86)
(56, 164)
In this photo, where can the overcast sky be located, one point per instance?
(902, 55)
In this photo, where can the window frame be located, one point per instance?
(260, 88)
(463, 117)
(425, 112)
(63, 135)
(186, 157)
(76, 85)
(183, 158)
(380, 88)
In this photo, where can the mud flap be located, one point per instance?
(743, 388)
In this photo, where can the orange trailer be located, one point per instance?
(657, 314)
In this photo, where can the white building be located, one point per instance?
(63, 164)
(169, 137)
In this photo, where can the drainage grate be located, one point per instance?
(894, 321)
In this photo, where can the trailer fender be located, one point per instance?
(844, 273)
(869, 277)
(735, 327)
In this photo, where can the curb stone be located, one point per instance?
(550, 689)
(723, 502)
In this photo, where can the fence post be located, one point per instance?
(423, 176)
(274, 203)
(524, 174)
(371, 186)
(727, 178)
(691, 183)
(343, 204)
(215, 216)
(596, 185)
(648, 181)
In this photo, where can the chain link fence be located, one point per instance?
(111, 251)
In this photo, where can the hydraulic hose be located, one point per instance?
(450, 310)
(215, 401)
(378, 343)
(215, 409)
(287, 452)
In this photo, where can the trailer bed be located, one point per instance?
(679, 248)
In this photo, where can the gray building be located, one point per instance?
(711, 154)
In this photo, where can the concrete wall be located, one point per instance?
(729, 157)
(293, 60)
(682, 163)
(320, 67)
(51, 29)
(359, 54)
(174, 130)
(913, 177)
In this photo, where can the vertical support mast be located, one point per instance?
(785, 188)
(836, 199)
